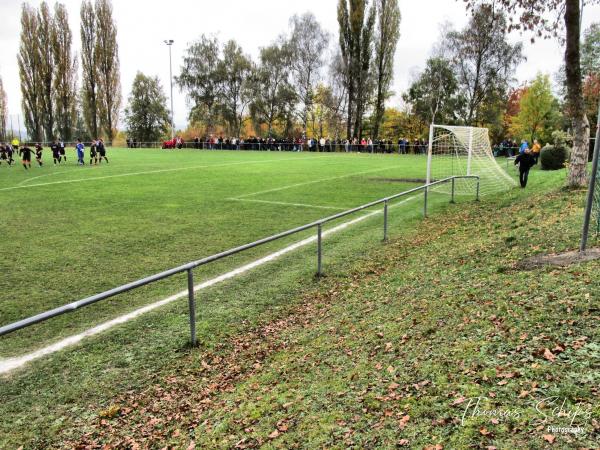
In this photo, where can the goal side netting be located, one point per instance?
(458, 151)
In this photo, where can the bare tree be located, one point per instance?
(309, 42)
(483, 59)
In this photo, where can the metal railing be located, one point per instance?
(189, 267)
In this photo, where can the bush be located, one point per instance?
(554, 158)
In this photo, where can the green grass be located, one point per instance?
(281, 350)
(76, 231)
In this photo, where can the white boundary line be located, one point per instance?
(303, 205)
(148, 172)
(289, 186)
(9, 364)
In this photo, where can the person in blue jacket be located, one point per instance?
(524, 146)
(80, 147)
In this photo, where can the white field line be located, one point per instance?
(9, 364)
(27, 180)
(148, 172)
(289, 186)
(303, 205)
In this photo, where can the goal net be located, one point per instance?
(459, 151)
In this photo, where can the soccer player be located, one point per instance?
(101, 151)
(61, 148)
(93, 153)
(80, 147)
(526, 161)
(9, 154)
(55, 152)
(25, 153)
(2, 152)
(38, 154)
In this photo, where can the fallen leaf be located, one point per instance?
(274, 434)
(484, 432)
(458, 401)
(523, 394)
(549, 438)
(403, 442)
(549, 356)
(403, 421)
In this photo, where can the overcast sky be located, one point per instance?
(143, 25)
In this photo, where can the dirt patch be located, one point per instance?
(400, 180)
(561, 259)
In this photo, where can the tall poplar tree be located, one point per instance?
(89, 85)
(3, 111)
(356, 23)
(45, 34)
(65, 74)
(386, 40)
(107, 67)
(28, 61)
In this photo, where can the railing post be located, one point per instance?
(192, 304)
(385, 220)
(425, 191)
(319, 250)
(453, 182)
(478, 183)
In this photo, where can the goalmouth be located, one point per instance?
(459, 151)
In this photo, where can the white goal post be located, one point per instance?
(459, 151)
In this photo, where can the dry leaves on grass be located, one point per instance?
(403, 421)
(549, 355)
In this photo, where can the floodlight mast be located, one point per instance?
(169, 43)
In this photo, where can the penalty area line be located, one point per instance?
(9, 364)
(320, 180)
(302, 205)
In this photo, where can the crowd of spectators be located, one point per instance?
(323, 144)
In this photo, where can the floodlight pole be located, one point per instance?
(590, 196)
(169, 43)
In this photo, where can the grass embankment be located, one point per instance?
(390, 349)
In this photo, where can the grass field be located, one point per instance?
(382, 352)
(76, 231)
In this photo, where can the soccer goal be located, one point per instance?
(459, 151)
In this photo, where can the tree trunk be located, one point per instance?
(581, 126)
(350, 103)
